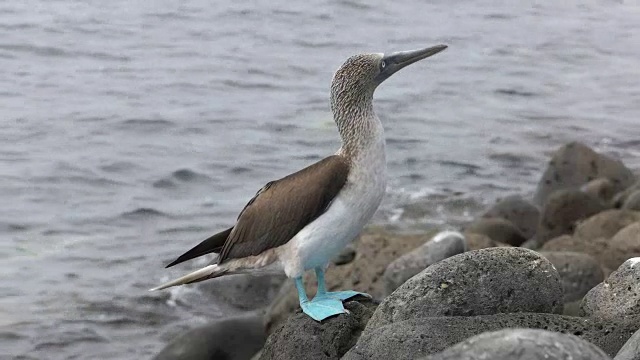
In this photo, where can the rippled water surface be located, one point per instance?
(132, 129)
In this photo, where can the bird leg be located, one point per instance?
(319, 308)
(340, 295)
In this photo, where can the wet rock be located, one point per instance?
(246, 292)
(411, 339)
(374, 251)
(606, 224)
(633, 201)
(618, 296)
(631, 349)
(579, 272)
(479, 241)
(487, 281)
(301, 337)
(602, 189)
(563, 210)
(498, 229)
(521, 213)
(525, 344)
(445, 244)
(235, 338)
(574, 165)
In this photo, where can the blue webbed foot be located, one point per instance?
(343, 295)
(321, 308)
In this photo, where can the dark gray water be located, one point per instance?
(130, 130)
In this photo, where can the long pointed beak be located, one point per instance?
(398, 60)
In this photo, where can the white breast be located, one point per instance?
(323, 239)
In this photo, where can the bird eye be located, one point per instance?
(383, 64)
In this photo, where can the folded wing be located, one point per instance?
(277, 212)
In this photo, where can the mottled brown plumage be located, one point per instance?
(352, 90)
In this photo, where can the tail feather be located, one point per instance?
(205, 273)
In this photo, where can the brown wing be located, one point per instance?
(283, 207)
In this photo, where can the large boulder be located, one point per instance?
(523, 344)
(498, 229)
(445, 244)
(487, 281)
(236, 338)
(618, 296)
(301, 337)
(374, 251)
(563, 210)
(579, 272)
(520, 212)
(411, 339)
(574, 165)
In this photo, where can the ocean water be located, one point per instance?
(132, 130)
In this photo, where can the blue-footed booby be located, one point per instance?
(302, 221)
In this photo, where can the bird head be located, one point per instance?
(361, 74)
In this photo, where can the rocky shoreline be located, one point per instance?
(553, 277)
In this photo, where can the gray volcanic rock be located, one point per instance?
(579, 272)
(301, 337)
(487, 281)
(602, 189)
(232, 338)
(631, 349)
(522, 344)
(606, 224)
(617, 297)
(574, 165)
(633, 201)
(498, 229)
(411, 339)
(563, 210)
(445, 244)
(521, 213)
